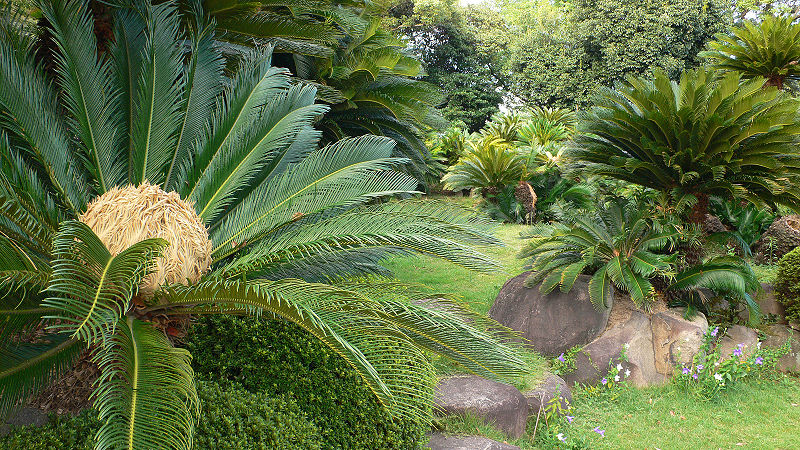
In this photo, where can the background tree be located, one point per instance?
(441, 35)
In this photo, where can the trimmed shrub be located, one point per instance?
(280, 359)
(232, 419)
(787, 284)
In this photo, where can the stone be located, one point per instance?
(551, 324)
(779, 239)
(497, 404)
(23, 416)
(738, 334)
(593, 362)
(439, 441)
(675, 339)
(768, 304)
(552, 386)
(776, 336)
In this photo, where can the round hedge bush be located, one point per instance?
(787, 284)
(280, 359)
(232, 418)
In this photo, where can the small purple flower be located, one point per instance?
(686, 370)
(569, 418)
(714, 332)
(694, 376)
(700, 367)
(602, 433)
(737, 352)
(759, 360)
(561, 358)
(604, 380)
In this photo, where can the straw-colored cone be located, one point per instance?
(124, 216)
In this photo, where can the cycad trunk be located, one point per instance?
(526, 196)
(698, 213)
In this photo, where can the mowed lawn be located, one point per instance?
(761, 414)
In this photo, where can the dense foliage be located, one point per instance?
(787, 284)
(278, 359)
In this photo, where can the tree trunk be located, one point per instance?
(698, 213)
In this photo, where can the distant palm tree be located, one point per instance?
(768, 48)
(695, 138)
(142, 186)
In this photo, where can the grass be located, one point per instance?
(756, 414)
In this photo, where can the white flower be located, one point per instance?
(561, 437)
(626, 346)
(616, 377)
(716, 364)
(619, 366)
(718, 377)
(627, 373)
(759, 345)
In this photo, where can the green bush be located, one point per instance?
(787, 284)
(280, 359)
(232, 419)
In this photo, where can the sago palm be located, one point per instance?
(143, 186)
(618, 246)
(768, 48)
(695, 138)
(490, 164)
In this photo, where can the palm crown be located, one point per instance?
(695, 138)
(145, 184)
(768, 49)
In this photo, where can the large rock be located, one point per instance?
(675, 339)
(779, 239)
(552, 323)
(593, 362)
(552, 386)
(496, 403)
(776, 336)
(442, 442)
(769, 305)
(735, 336)
(23, 416)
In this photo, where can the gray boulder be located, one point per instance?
(498, 404)
(552, 323)
(675, 339)
(736, 335)
(552, 386)
(439, 441)
(768, 304)
(23, 416)
(776, 336)
(779, 239)
(593, 362)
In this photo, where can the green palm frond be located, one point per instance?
(26, 368)
(158, 95)
(146, 393)
(348, 173)
(86, 85)
(490, 163)
(90, 289)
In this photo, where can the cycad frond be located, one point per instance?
(26, 368)
(158, 96)
(146, 393)
(86, 85)
(347, 173)
(90, 289)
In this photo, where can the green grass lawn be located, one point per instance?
(757, 414)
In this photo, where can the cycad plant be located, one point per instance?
(142, 187)
(768, 48)
(695, 138)
(618, 246)
(489, 165)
